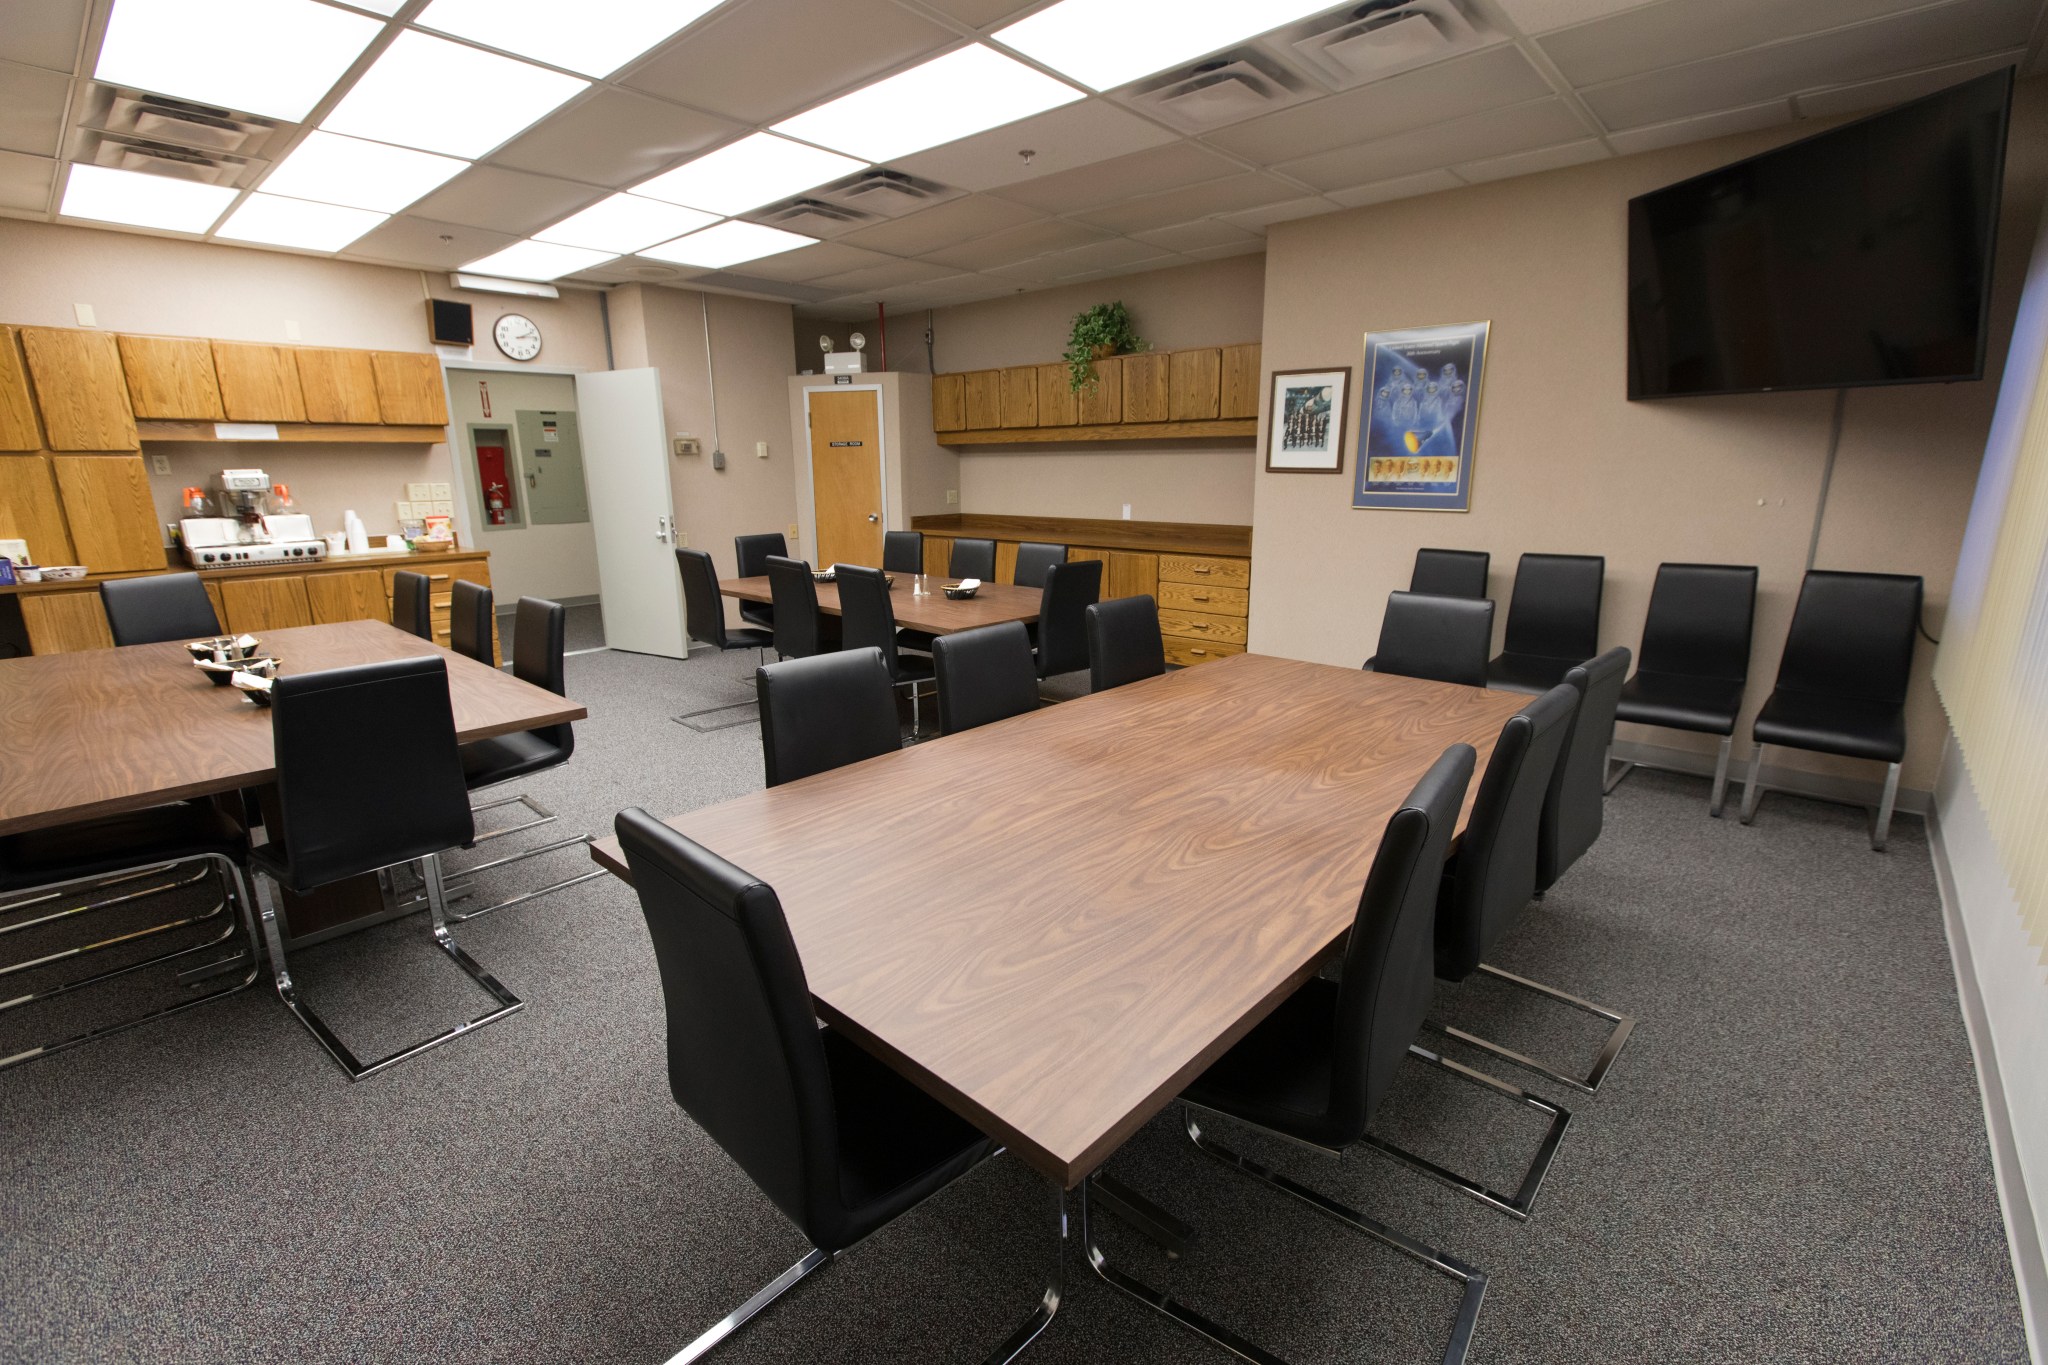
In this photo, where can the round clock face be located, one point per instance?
(517, 337)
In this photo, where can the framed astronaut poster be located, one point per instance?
(1418, 413)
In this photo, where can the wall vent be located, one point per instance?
(161, 158)
(1372, 41)
(811, 216)
(200, 127)
(1221, 90)
(886, 194)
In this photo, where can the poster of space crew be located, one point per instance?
(1418, 413)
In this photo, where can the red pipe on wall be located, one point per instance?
(882, 327)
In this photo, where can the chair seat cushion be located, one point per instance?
(760, 613)
(115, 843)
(1278, 1076)
(914, 639)
(486, 761)
(1855, 727)
(1681, 702)
(896, 1143)
(746, 637)
(1534, 674)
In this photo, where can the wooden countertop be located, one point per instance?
(376, 559)
(1160, 537)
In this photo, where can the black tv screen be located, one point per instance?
(1856, 257)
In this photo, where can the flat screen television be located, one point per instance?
(1856, 257)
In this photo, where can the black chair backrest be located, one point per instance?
(1443, 639)
(825, 712)
(797, 631)
(1450, 573)
(412, 603)
(867, 616)
(1033, 559)
(1699, 621)
(750, 553)
(540, 631)
(165, 606)
(1577, 799)
(1389, 978)
(1555, 612)
(972, 559)
(367, 772)
(903, 551)
(984, 675)
(470, 611)
(1124, 644)
(703, 608)
(745, 1058)
(1070, 589)
(1494, 874)
(1852, 635)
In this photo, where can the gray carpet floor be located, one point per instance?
(1787, 1164)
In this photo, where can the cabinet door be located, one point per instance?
(1145, 387)
(18, 429)
(255, 605)
(339, 386)
(258, 383)
(949, 402)
(1195, 384)
(1103, 401)
(357, 595)
(984, 399)
(110, 511)
(1020, 396)
(1125, 573)
(1058, 404)
(937, 551)
(409, 391)
(30, 511)
(65, 622)
(171, 377)
(1240, 381)
(80, 388)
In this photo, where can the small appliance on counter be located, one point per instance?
(248, 533)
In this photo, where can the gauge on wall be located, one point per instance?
(517, 336)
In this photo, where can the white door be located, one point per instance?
(625, 466)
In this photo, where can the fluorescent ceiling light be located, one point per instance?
(438, 96)
(758, 169)
(271, 57)
(358, 174)
(596, 37)
(942, 100)
(625, 222)
(278, 221)
(539, 261)
(727, 244)
(1107, 43)
(138, 200)
(384, 7)
(484, 284)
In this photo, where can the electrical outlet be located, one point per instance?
(952, 497)
(760, 450)
(83, 312)
(442, 506)
(403, 509)
(792, 531)
(687, 444)
(419, 492)
(1127, 511)
(441, 494)
(683, 539)
(160, 464)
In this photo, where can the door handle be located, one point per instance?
(661, 529)
(873, 517)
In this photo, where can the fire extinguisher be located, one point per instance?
(494, 504)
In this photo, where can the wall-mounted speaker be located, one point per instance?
(451, 324)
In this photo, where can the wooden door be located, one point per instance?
(339, 386)
(258, 383)
(255, 605)
(30, 511)
(18, 429)
(80, 388)
(171, 378)
(110, 511)
(846, 475)
(409, 389)
(357, 595)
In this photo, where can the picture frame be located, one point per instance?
(1306, 432)
(1418, 415)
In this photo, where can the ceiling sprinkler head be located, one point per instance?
(1027, 154)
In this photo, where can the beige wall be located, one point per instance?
(1565, 463)
(557, 561)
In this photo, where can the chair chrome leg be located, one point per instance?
(1752, 790)
(577, 841)
(1617, 1037)
(1614, 774)
(543, 816)
(85, 908)
(739, 1317)
(1155, 1224)
(1720, 796)
(219, 907)
(1055, 1288)
(1882, 829)
(1518, 1204)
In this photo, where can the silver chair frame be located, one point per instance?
(1617, 1037)
(462, 884)
(287, 990)
(1715, 803)
(1517, 1205)
(1881, 819)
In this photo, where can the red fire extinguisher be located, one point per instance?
(494, 504)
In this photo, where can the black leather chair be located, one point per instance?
(1033, 559)
(799, 625)
(1553, 621)
(165, 606)
(1695, 659)
(984, 675)
(867, 620)
(1070, 589)
(470, 616)
(750, 556)
(1450, 573)
(838, 1142)
(1443, 639)
(704, 609)
(903, 551)
(1124, 644)
(412, 603)
(972, 559)
(340, 734)
(1842, 681)
(825, 712)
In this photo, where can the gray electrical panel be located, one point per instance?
(551, 448)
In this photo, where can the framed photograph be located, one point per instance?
(1417, 417)
(1306, 434)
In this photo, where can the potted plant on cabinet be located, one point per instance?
(1103, 330)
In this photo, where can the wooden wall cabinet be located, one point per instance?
(1020, 396)
(1146, 387)
(338, 386)
(1195, 385)
(1125, 573)
(255, 605)
(171, 377)
(1058, 404)
(1241, 390)
(18, 428)
(1202, 393)
(984, 399)
(65, 622)
(111, 514)
(1102, 403)
(30, 509)
(409, 389)
(80, 388)
(949, 402)
(258, 383)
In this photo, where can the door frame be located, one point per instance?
(807, 508)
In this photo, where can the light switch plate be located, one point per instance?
(952, 497)
(83, 312)
(441, 493)
(291, 330)
(404, 510)
(760, 450)
(160, 464)
(792, 531)
(419, 492)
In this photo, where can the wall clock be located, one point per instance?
(517, 337)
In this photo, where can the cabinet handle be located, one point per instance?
(1199, 625)
(1201, 569)
(1200, 596)
(437, 578)
(1198, 651)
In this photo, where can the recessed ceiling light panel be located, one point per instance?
(625, 222)
(728, 244)
(539, 261)
(438, 96)
(596, 37)
(277, 58)
(138, 200)
(364, 175)
(758, 169)
(943, 100)
(277, 221)
(1107, 43)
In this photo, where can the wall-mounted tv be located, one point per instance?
(1859, 256)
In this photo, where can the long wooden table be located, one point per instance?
(918, 602)
(1055, 922)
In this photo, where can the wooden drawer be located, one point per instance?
(1197, 625)
(1205, 569)
(1213, 599)
(1188, 652)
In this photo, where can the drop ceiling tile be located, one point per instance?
(1061, 139)
(1402, 187)
(1544, 123)
(742, 282)
(1529, 163)
(25, 182)
(1108, 182)
(1435, 94)
(1115, 254)
(1217, 253)
(1264, 216)
(43, 34)
(1542, 16)
(981, 13)
(816, 262)
(32, 105)
(1673, 32)
(1190, 237)
(1016, 244)
(767, 59)
(505, 201)
(405, 240)
(1040, 270)
(947, 225)
(887, 276)
(1748, 119)
(614, 138)
(1248, 190)
(1855, 99)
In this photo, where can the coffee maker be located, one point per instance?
(247, 533)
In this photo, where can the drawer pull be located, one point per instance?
(1200, 596)
(437, 578)
(1203, 568)
(1198, 651)
(1199, 625)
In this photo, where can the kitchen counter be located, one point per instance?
(174, 562)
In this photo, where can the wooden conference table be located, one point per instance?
(918, 602)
